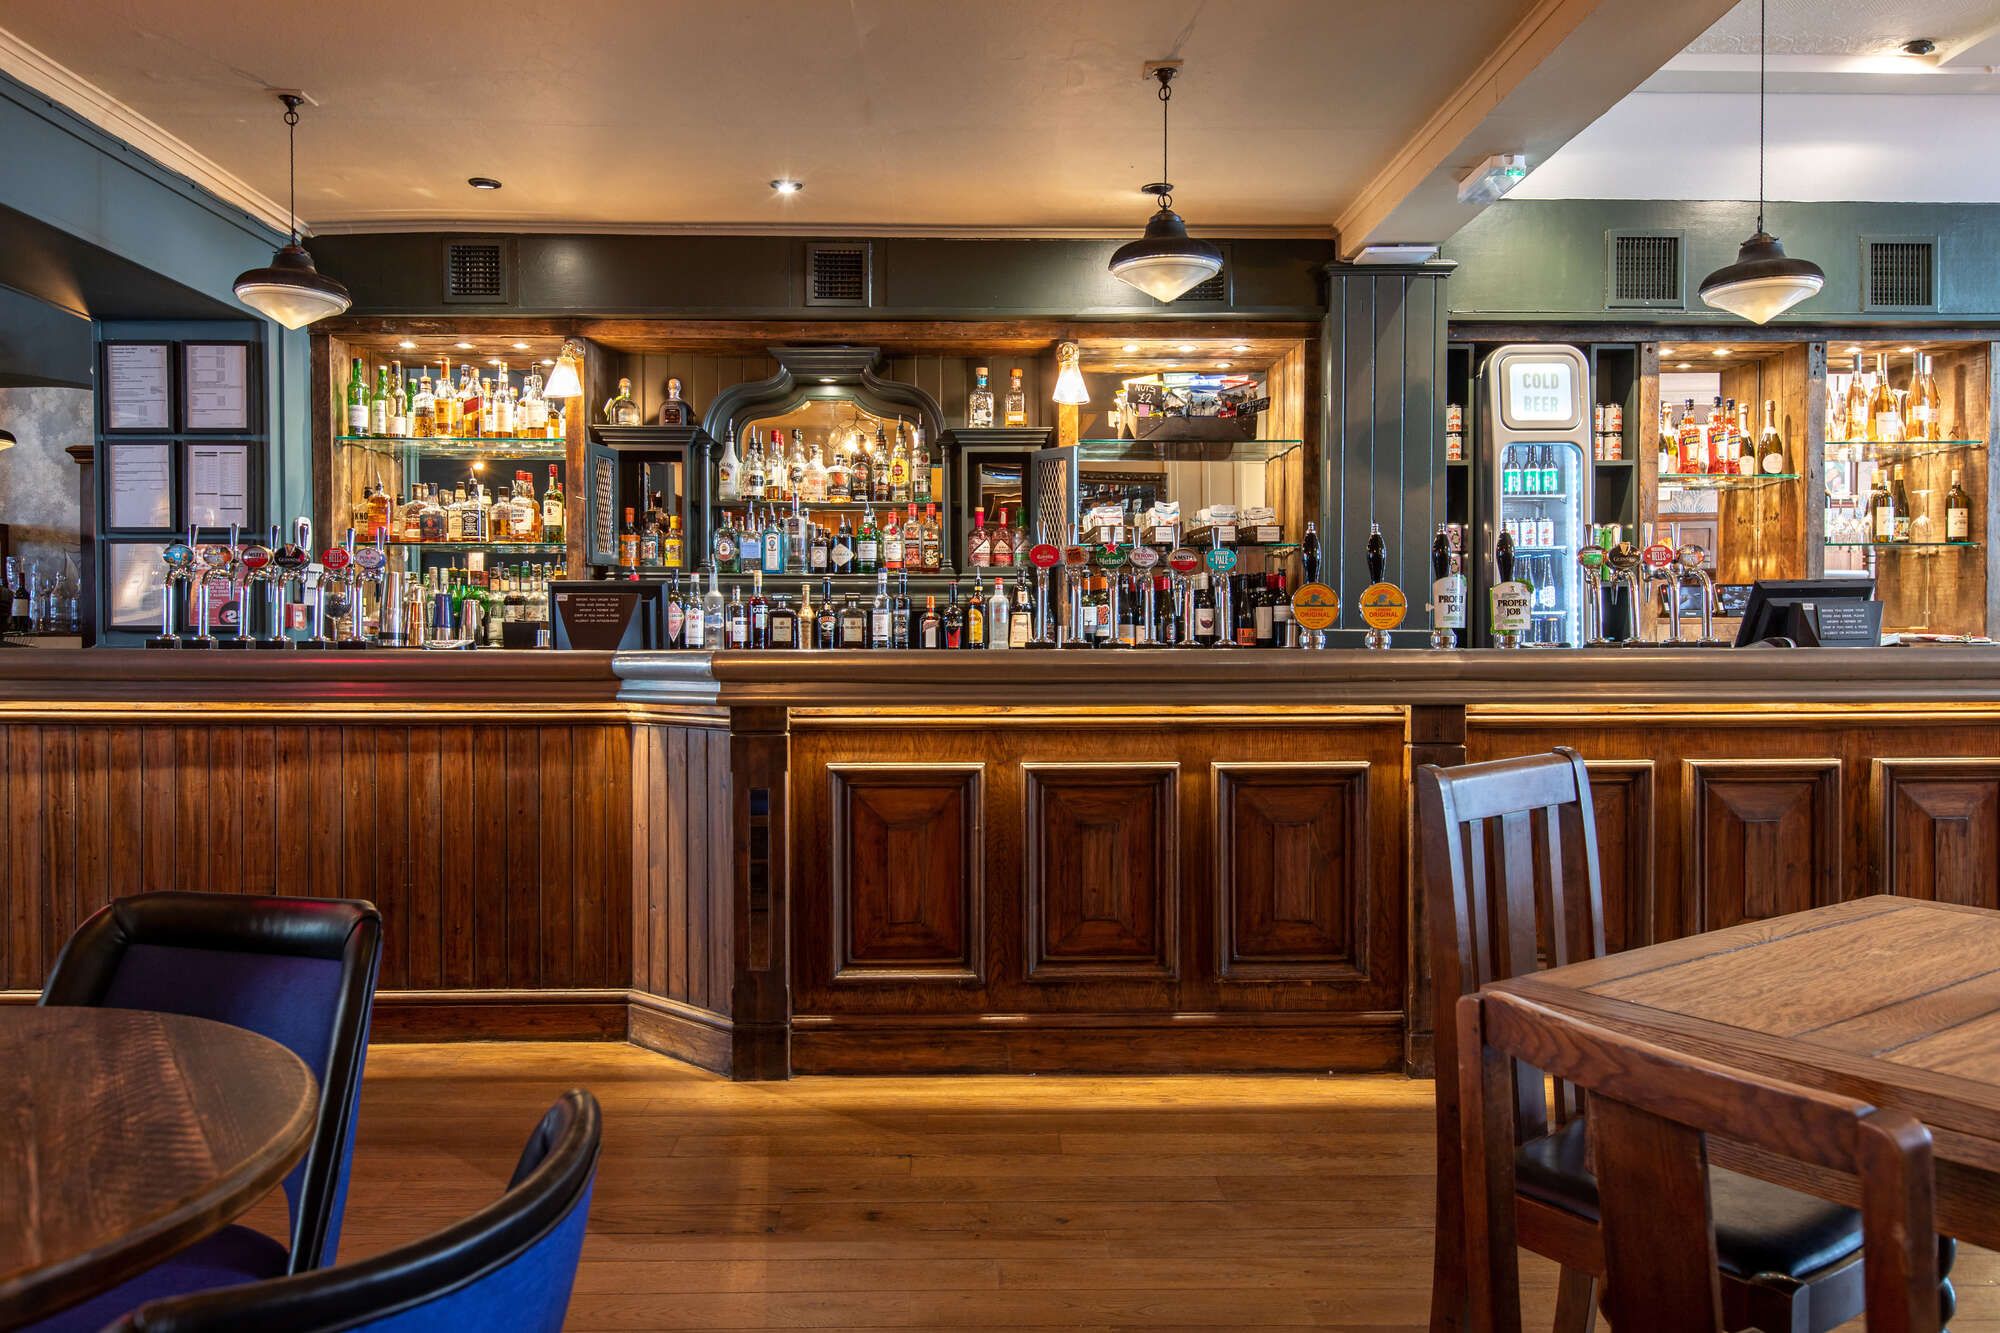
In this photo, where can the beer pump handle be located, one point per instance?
(1378, 556)
(274, 542)
(1503, 558)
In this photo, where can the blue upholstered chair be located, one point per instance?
(300, 971)
(506, 1269)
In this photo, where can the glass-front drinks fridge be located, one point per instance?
(1534, 485)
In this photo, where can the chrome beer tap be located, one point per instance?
(292, 560)
(1623, 561)
(179, 560)
(1592, 559)
(1661, 567)
(208, 560)
(1694, 564)
(354, 634)
(236, 574)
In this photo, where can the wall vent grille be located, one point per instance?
(839, 275)
(1901, 274)
(1213, 291)
(1646, 270)
(475, 272)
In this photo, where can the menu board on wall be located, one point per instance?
(138, 486)
(137, 387)
(134, 584)
(218, 484)
(215, 386)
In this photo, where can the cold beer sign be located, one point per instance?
(1540, 392)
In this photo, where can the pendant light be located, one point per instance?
(565, 380)
(292, 291)
(1070, 387)
(1166, 261)
(1763, 283)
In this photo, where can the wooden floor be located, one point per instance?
(947, 1203)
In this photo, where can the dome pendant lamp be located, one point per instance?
(292, 291)
(1764, 282)
(1166, 261)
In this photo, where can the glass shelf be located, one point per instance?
(1212, 451)
(1713, 481)
(468, 447)
(1901, 546)
(505, 548)
(1908, 449)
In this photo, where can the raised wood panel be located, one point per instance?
(491, 848)
(1291, 869)
(678, 804)
(1621, 797)
(906, 872)
(1938, 821)
(1102, 876)
(1764, 837)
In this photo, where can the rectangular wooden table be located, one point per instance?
(1895, 1001)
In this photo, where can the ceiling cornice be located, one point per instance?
(64, 86)
(463, 226)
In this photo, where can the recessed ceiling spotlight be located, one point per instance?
(1854, 351)
(464, 347)
(1919, 46)
(1185, 348)
(520, 347)
(482, 182)
(826, 379)
(786, 185)
(1683, 366)
(548, 361)
(1222, 365)
(1906, 350)
(407, 345)
(1240, 348)
(495, 361)
(1666, 351)
(1131, 347)
(1720, 351)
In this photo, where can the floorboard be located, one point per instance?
(946, 1203)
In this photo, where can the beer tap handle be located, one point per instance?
(303, 530)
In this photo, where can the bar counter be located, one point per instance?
(1104, 861)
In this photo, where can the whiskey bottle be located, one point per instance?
(920, 465)
(1017, 401)
(1021, 622)
(899, 468)
(1957, 511)
(931, 541)
(878, 469)
(553, 516)
(628, 545)
(892, 543)
(978, 403)
(649, 544)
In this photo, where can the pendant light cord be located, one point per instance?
(292, 153)
(1763, 57)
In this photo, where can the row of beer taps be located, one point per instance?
(277, 568)
(1626, 565)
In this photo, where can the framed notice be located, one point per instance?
(138, 486)
(217, 484)
(215, 387)
(138, 387)
(134, 583)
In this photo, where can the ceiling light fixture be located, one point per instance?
(1919, 46)
(566, 380)
(1666, 351)
(1131, 347)
(1906, 350)
(1492, 177)
(1763, 283)
(407, 345)
(1166, 262)
(1222, 365)
(786, 185)
(290, 289)
(1240, 348)
(520, 347)
(1185, 349)
(482, 182)
(1720, 351)
(1070, 387)
(463, 347)
(1683, 366)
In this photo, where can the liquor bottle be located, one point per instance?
(1021, 623)
(982, 542)
(553, 516)
(899, 468)
(978, 403)
(771, 547)
(860, 474)
(880, 613)
(931, 540)
(1771, 444)
(620, 410)
(378, 403)
(818, 552)
(712, 612)
(1204, 611)
(892, 542)
(1000, 544)
(1881, 510)
(798, 541)
(839, 478)
(999, 617)
(676, 630)
(1858, 425)
(783, 630)
(841, 557)
(423, 409)
(760, 613)
(975, 621)
(1510, 473)
(817, 480)
(797, 468)
(1899, 496)
(1284, 629)
(1017, 401)
(673, 546)
(930, 627)
(826, 624)
(1669, 448)
(951, 627)
(920, 465)
(736, 621)
(1957, 511)
(1926, 408)
(899, 613)
(867, 544)
(1885, 421)
(649, 542)
(628, 544)
(878, 469)
(729, 471)
(357, 399)
(752, 486)
(723, 546)
(399, 403)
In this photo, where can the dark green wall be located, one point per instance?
(42, 344)
(1535, 259)
(762, 277)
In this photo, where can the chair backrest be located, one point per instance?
(509, 1266)
(300, 971)
(1510, 868)
(1650, 1114)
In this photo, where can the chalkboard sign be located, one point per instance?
(1844, 623)
(612, 615)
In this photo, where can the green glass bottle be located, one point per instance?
(357, 400)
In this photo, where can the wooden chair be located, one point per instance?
(1509, 854)
(1650, 1114)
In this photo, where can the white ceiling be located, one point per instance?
(896, 113)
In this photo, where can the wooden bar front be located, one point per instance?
(777, 863)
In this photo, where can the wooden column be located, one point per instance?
(761, 996)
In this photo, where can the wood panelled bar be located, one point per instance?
(775, 863)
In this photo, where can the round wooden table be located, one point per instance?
(126, 1136)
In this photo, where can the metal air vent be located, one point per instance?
(1214, 291)
(475, 272)
(840, 274)
(1899, 273)
(1646, 269)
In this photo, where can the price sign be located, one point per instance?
(1221, 559)
(1075, 557)
(1657, 556)
(1143, 557)
(1109, 556)
(1383, 605)
(1513, 608)
(1182, 560)
(1045, 555)
(1315, 606)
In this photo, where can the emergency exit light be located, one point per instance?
(1492, 178)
